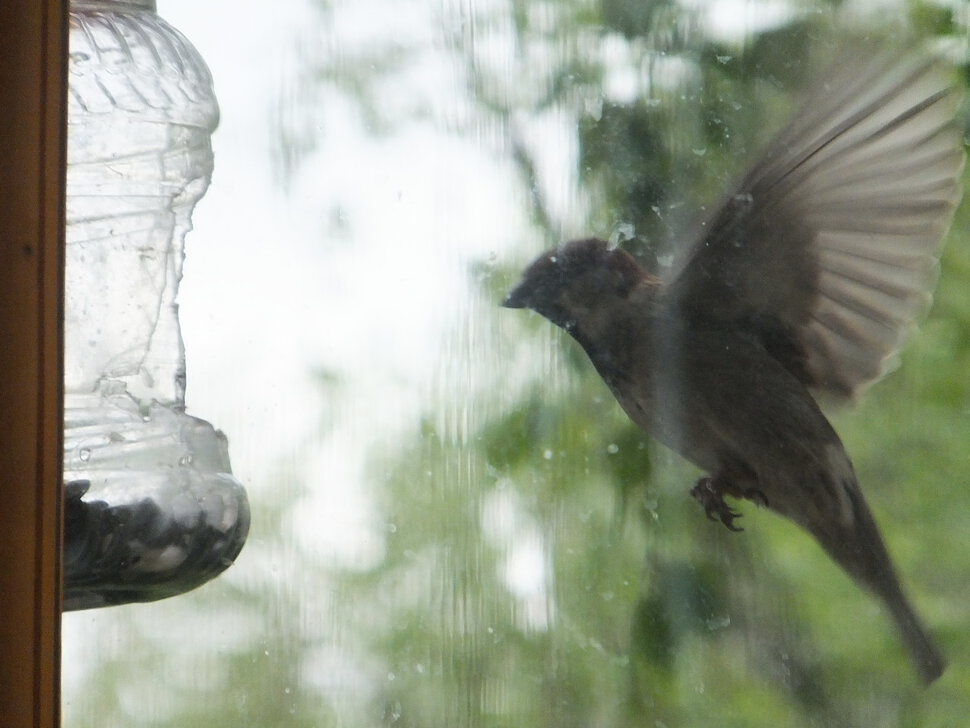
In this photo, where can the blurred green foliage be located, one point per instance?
(653, 616)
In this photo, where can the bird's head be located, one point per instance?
(575, 284)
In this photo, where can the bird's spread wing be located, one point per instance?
(828, 247)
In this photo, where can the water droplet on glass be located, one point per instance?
(547, 454)
(626, 231)
(84, 454)
(612, 448)
(716, 623)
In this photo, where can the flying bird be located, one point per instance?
(799, 288)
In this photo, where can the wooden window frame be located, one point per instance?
(33, 102)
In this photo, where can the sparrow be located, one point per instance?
(799, 289)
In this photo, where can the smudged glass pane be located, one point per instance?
(453, 523)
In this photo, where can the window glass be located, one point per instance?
(453, 523)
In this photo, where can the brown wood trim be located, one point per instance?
(33, 63)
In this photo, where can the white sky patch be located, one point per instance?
(337, 521)
(361, 264)
(525, 569)
(622, 82)
(734, 20)
(527, 574)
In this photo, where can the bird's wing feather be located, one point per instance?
(828, 247)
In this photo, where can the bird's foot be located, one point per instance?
(757, 497)
(710, 492)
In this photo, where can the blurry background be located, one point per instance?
(453, 524)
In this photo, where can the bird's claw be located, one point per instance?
(757, 497)
(709, 492)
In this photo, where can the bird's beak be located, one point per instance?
(517, 298)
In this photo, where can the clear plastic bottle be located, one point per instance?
(152, 509)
